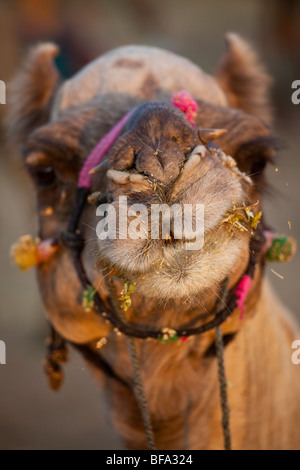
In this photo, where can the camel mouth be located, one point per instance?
(185, 255)
(164, 270)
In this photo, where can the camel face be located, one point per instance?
(162, 160)
(58, 125)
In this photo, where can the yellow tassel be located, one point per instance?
(29, 252)
(24, 252)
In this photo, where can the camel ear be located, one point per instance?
(31, 92)
(244, 79)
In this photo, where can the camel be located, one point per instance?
(159, 156)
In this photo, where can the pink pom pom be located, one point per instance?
(46, 249)
(242, 291)
(184, 101)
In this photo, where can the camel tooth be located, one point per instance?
(192, 162)
(119, 177)
(137, 178)
(200, 150)
(207, 135)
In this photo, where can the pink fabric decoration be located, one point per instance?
(101, 149)
(242, 291)
(184, 101)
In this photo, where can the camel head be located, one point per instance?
(160, 158)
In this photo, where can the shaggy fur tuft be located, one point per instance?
(31, 92)
(244, 80)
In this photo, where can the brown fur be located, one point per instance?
(174, 287)
(244, 79)
(32, 91)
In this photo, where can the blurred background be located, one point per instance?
(31, 416)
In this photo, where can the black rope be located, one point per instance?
(221, 370)
(137, 372)
(72, 239)
(80, 200)
(223, 389)
(108, 310)
(140, 393)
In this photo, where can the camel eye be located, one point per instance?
(44, 176)
(257, 167)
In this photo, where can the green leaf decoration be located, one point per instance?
(88, 298)
(282, 249)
